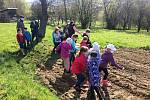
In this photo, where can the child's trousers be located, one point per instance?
(66, 64)
(105, 70)
(92, 93)
(72, 58)
(55, 45)
(80, 80)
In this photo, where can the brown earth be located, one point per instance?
(132, 83)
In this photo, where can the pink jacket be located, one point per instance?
(64, 48)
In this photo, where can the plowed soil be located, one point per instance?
(132, 83)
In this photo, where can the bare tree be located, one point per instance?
(1, 4)
(65, 7)
(126, 13)
(141, 12)
(36, 10)
(86, 10)
(147, 16)
(43, 19)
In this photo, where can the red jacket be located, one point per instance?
(20, 38)
(83, 43)
(79, 65)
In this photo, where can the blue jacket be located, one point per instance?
(74, 48)
(56, 38)
(27, 35)
(93, 72)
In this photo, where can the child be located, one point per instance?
(34, 25)
(87, 33)
(21, 40)
(84, 42)
(79, 67)
(74, 48)
(96, 47)
(28, 37)
(61, 33)
(107, 58)
(94, 75)
(64, 49)
(56, 38)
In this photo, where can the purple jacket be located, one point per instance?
(107, 58)
(64, 48)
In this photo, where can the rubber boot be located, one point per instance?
(106, 83)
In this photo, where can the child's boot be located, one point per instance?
(106, 83)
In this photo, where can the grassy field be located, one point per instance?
(17, 74)
(128, 39)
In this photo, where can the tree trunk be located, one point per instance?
(43, 19)
(139, 24)
(1, 4)
(124, 25)
(65, 10)
(91, 6)
(147, 28)
(85, 22)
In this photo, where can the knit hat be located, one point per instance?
(112, 47)
(69, 40)
(96, 46)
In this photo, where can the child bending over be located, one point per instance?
(107, 58)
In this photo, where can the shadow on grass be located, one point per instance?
(17, 55)
(52, 59)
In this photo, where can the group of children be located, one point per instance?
(85, 61)
(24, 39)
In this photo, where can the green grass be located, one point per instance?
(17, 74)
(126, 39)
